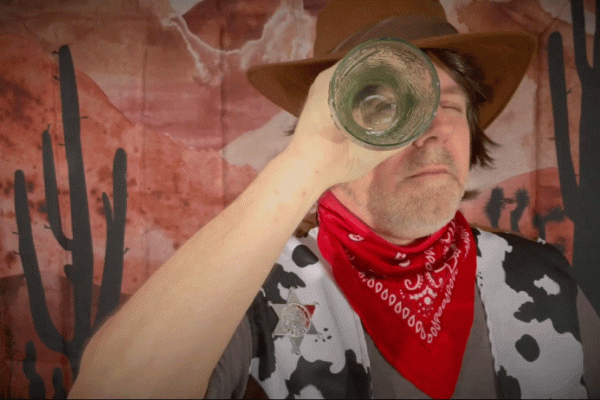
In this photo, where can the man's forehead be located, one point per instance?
(449, 86)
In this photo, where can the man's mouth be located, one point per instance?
(431, 171)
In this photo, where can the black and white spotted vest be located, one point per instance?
(311, 343)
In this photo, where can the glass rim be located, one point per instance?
(435, 84)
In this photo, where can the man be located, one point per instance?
(380, 299)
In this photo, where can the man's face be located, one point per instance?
(416, 192)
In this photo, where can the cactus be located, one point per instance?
(80, 272)
(37, 390)
(497, 203)
(522, 200)
(555, 215)
(581, 200)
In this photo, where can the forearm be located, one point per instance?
(168, 337)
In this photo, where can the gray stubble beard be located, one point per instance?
(407, 213)
(413, 214)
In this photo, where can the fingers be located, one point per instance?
(319, 139)
(317, 100)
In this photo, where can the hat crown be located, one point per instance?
(340, 20)
(504, 57)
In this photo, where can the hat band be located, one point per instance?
(407, 27)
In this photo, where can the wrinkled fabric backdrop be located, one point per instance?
(168, 132)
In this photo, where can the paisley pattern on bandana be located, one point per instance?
(422, 298)
(415, 301)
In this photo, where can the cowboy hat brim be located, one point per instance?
(503, 56)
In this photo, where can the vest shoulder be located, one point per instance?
(521, 256)
(513, 241)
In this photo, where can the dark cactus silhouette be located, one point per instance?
(539, 221)
(80, 272)
(37, 390)
(497, 203)
(581, 199)
(522, 200)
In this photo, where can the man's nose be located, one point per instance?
(439, 130)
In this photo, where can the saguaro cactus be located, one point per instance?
(555, 215)
(581, 200)
(497, 202)
(80, 272)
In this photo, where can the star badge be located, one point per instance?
(295, 320)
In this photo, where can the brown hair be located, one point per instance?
(465, 71)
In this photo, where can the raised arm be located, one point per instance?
(166, 340)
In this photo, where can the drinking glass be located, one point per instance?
(384, 93)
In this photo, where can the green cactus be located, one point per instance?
(581, 199)
(80, 272)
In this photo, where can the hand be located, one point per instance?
(336, 157)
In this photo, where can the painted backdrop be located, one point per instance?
(125, 126)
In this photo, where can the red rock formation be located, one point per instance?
(173, 190)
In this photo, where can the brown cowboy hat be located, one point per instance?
(343, 24)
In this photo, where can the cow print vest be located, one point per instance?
(310, 342)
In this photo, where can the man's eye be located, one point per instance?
(452, 106)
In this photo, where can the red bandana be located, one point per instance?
(416, 302)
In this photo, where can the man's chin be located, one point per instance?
(418, 216)
(420, 228)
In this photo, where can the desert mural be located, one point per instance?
(125, 126)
